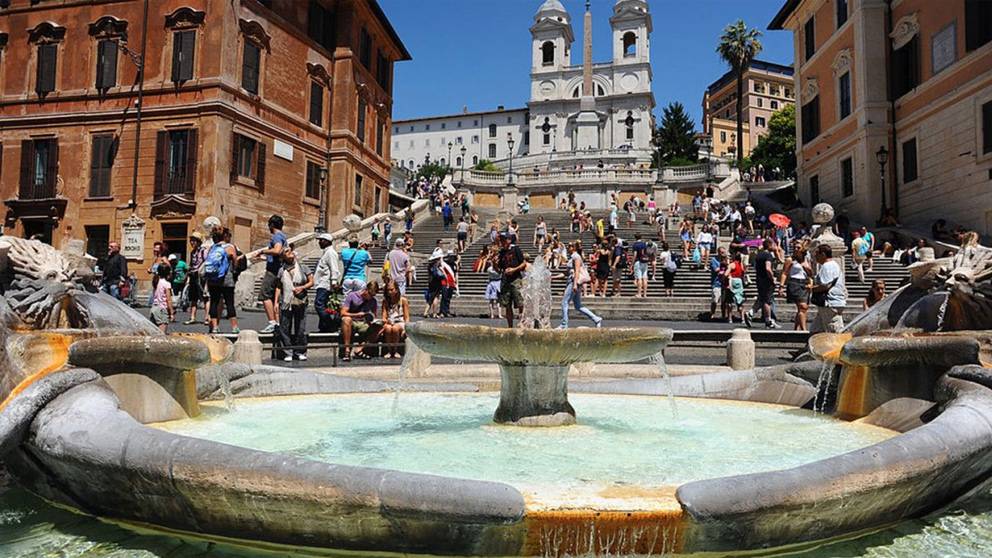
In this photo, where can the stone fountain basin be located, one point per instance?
(538, 346)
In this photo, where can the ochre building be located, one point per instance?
(911, 76)
(248, 108)
(768, 88)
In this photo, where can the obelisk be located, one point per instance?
(587, 122)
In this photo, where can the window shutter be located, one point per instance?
(177, 57)
(106, 69)
(316, 103)
(189, 51)
(978, 23)
(52, 172)
(987, 128)
(250, 67)
(192, 150)
(27, 169)
(260, 170)
(95, 164)
(235, 155)
(161, 150)
(45, 78)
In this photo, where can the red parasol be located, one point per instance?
(779, 220)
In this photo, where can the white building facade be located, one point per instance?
(564, 125)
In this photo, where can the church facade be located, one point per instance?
(575, 113)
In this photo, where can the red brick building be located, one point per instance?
(249, 108)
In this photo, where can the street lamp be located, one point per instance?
(509, 142)
(463, 151)
(450, 145)
(882, 156)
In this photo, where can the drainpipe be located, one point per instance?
(894, 152)
(141, 90)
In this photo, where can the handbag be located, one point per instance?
(820, 298)
(583, 276)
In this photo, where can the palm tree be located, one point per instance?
(738, 47)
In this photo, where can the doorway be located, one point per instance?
(40, 230)
(97, 242)
(176, 239)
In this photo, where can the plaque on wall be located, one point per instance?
(943, 50)
(282, 150)
(133, 238)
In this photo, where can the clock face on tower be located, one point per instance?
(629, 82)
(547, 89)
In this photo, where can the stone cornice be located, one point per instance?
(254, 32)
(46, 32)
(185, 18)
(107, 27)
(904, 30)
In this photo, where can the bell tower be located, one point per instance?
(552, 38)
(631, 24)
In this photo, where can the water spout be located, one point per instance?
(536, 293)
(659, 360)
(823, 385)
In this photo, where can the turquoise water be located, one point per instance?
(618, 441)
(365, 429)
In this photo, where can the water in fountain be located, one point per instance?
(823, 383)
(408, 358)
(659, 361)
(536, 293)
(225, 388)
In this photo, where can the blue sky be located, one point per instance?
(476, 53)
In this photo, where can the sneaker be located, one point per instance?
(599, 324)
(190, 322)
(747, 319)
(269, 328)
(301, 357)
(236, 330)
(288, 358)
(749, 315)
(773, 325)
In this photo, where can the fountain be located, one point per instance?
(102, 414)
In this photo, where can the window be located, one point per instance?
(320, 25)
(175, 236)
(98, 242)
(509, 120)
(910, 172)
(723, 137)
(492, 150)
(527, 138)
(492, 130)
(774, 105)
(396, 129)
(39, 168)
(427, 127)
(316, 104)
(183, 48)
(248, 159)
(847, 177)
(380, 133)
(362, 109)
(251, 64)
(312, 187)
(809, 38)
(383, 70)
(773, 90)
(548, 54)
(358, 190)
(844, 89)
(101, 164)
(546, 140)
(475, 139)
(458, 161)
(760, 102)
(106, 64)
(47, 61)
(788, 93)
(814, 190)
(758, 87)
(629, 44)
(458, 140)
(365, 49)
(977, 23)
(630, 132)
(906, 68)
(459, 123)
(411, 128)
(475, 123)
(444, 125)
(475, 159)
(841, 12)
(811, 119)
(759, 121)
(987, 128)
(175, 162)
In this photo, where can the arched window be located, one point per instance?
(492, 130)
(629, 123)
(599, 91)
(475, 160)
(548, 54)
(442, 161)
(575, 93)
(629, 44)
(458, 161)
(411, 164)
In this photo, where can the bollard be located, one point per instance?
(248, 348)
(740, 350)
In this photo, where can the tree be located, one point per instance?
(433, 170)
(675, 138)
(778, 148)
(738, 47)
(485, 165)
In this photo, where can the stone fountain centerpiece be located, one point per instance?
(534, 363)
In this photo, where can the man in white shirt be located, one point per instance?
(326, 279)
(829, 293)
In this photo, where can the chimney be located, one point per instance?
(499, 107)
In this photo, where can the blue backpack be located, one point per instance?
(217, 264)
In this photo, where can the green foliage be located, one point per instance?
(675, 138)
(778, 148)
(738, 47)
(485, 165)
(432, 170)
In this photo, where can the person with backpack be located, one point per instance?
(218, 271)
(356, 261)
(641, 266)
(668, 268)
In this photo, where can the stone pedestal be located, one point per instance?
(740, 350)
(247, 349)
(533, 395)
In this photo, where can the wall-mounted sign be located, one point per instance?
(943, 50)
(283, 150)
(133, 238)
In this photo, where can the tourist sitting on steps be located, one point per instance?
(358, 319)
(395, 316)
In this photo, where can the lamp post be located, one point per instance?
(510, 142)
(882, 155)
(463, 151)
(450, 145)
(322, 218)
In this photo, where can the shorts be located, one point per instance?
(269, 283)
(352, 284)
(159, 315)
(766, 295)
(640, 270)
(195, 292)
(795, 291)
(828, 319)
(492, 290)
(509, 293)
(716, 295)
(462, 236)
(360, 327)
(669, 277)
(617, 274)
(220, 293)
